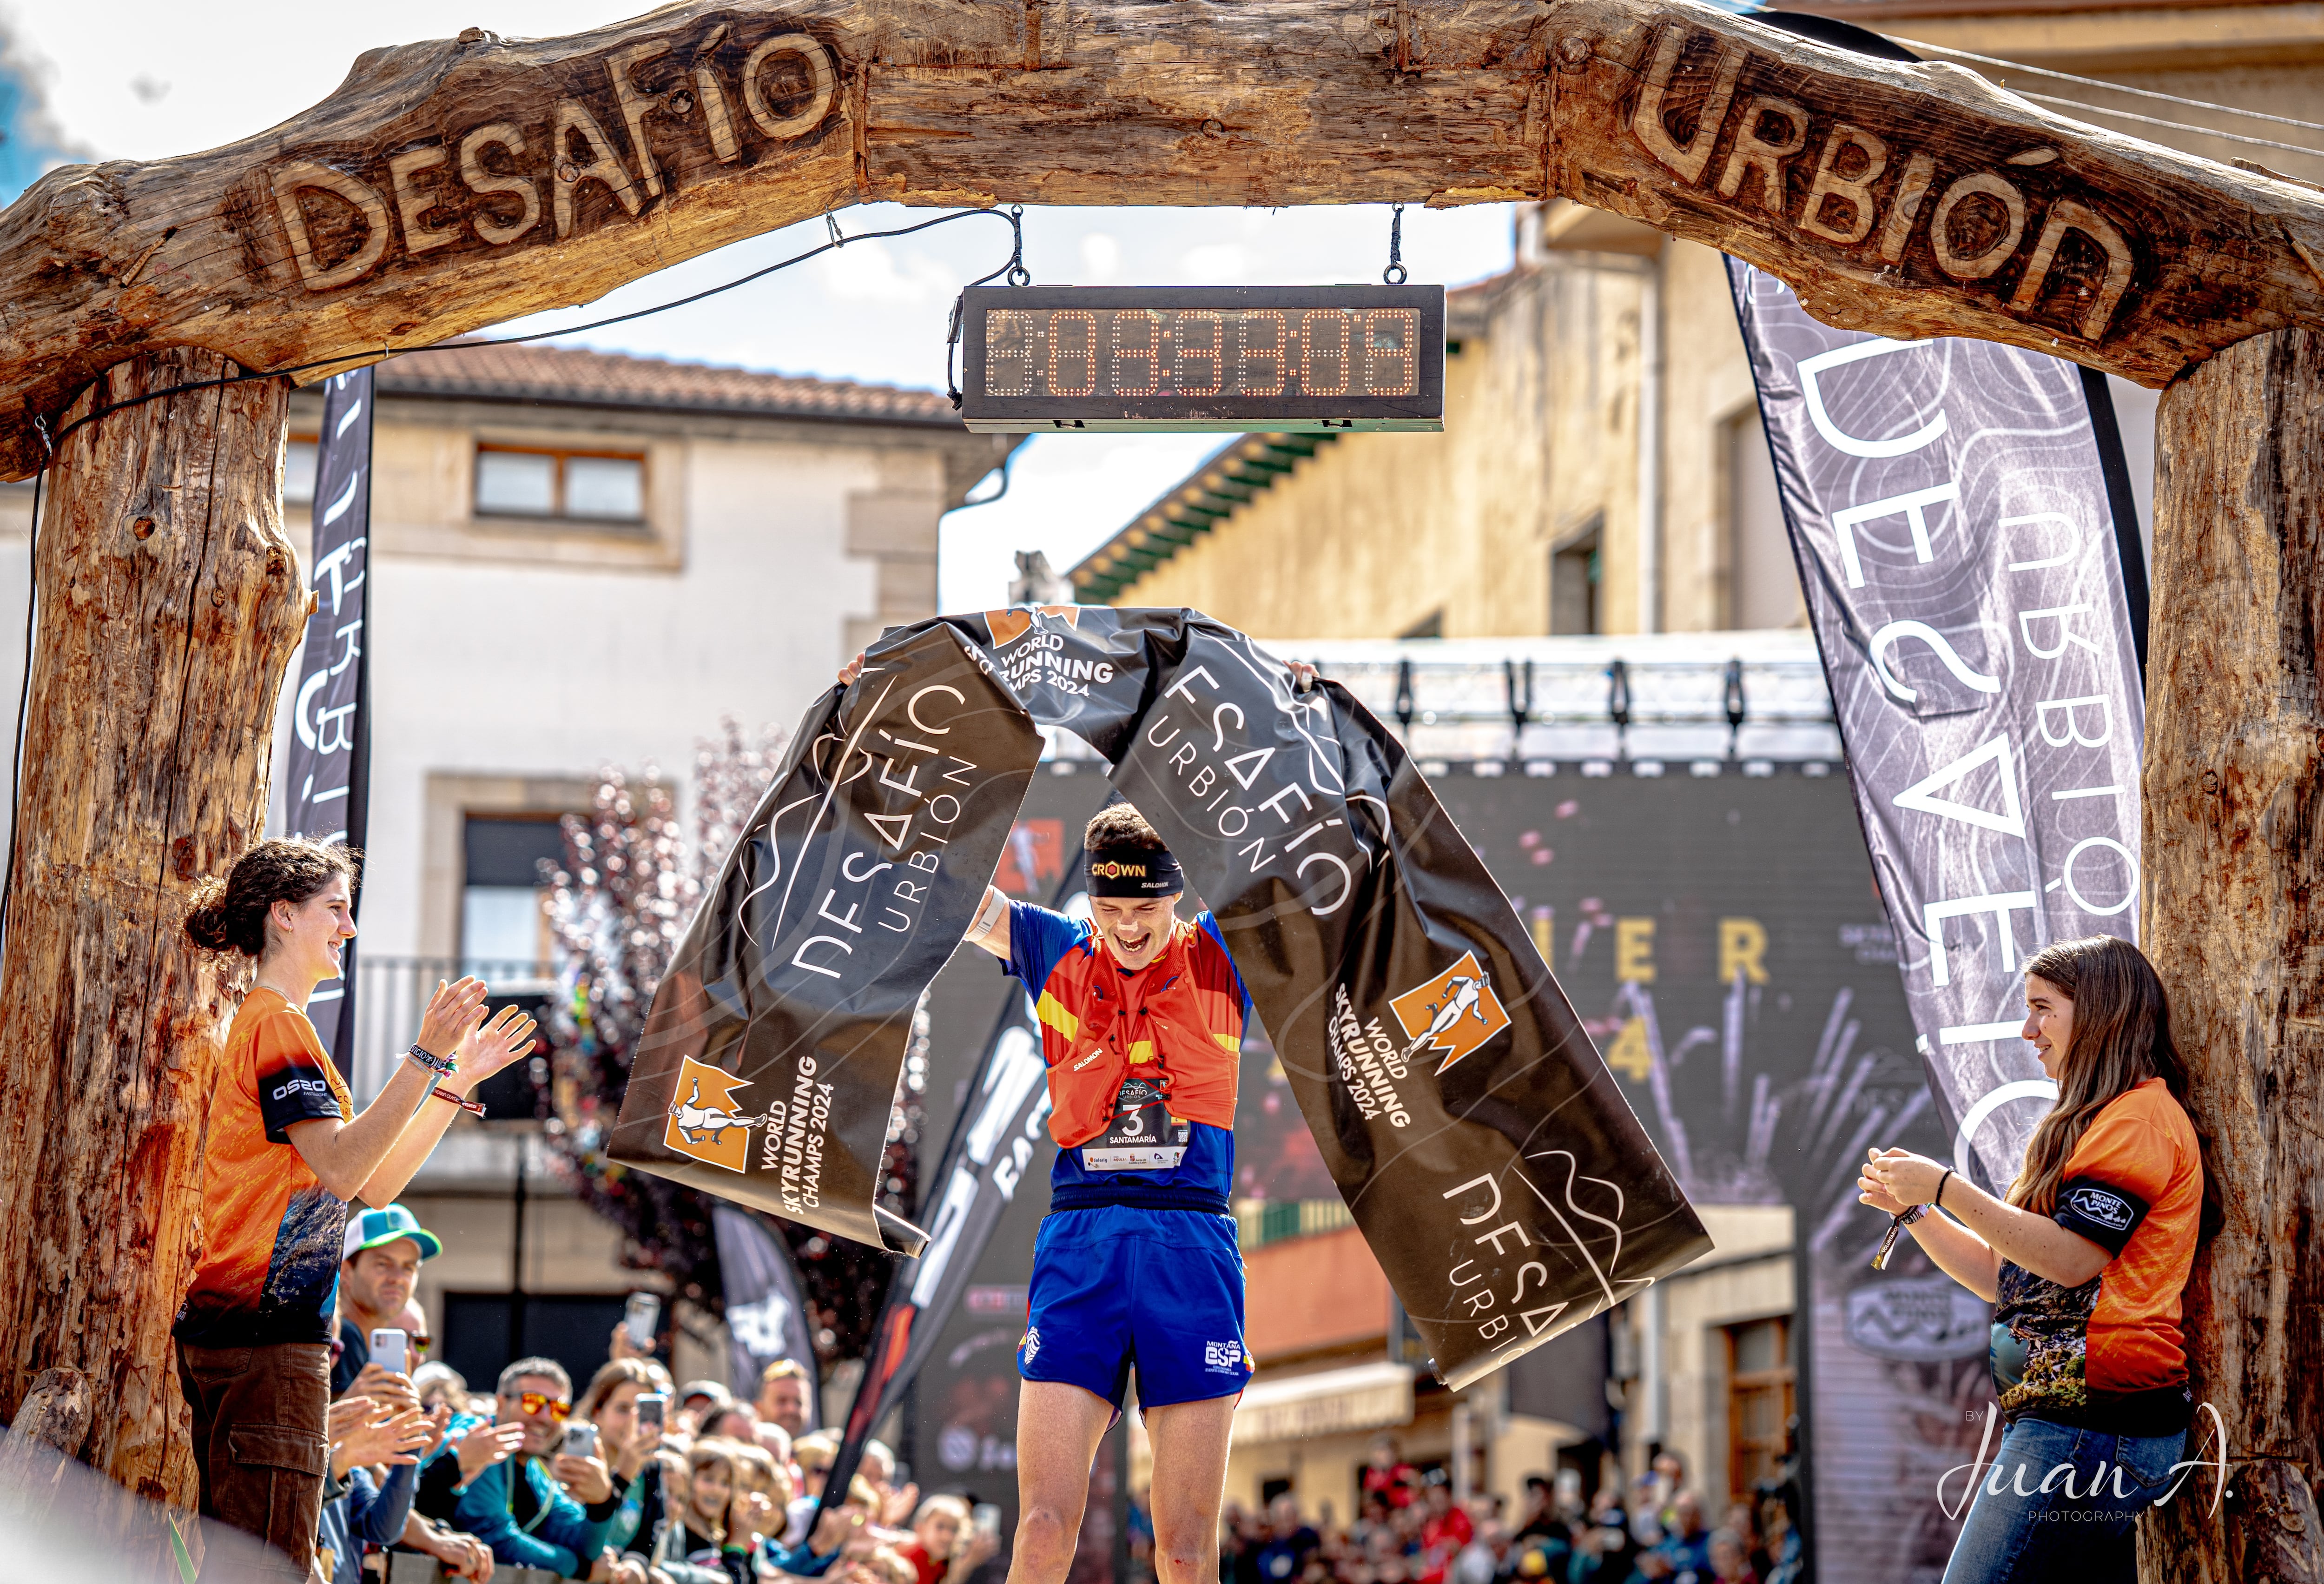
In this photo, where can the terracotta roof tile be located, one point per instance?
(572, 375)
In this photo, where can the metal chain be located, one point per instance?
(1394, 275)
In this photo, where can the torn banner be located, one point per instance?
(1488, 1156)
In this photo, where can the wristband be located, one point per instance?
(1939, 1200)
(441, 1093)
(989, 917)
(441, 1065)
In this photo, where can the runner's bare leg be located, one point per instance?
(1058, 1430)
(1190, 1476)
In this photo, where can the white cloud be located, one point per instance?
(866, 272)
(1215, 264)
(1101, 258)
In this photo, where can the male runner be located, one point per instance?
(1141, 1017)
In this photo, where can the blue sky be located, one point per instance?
(144, 79)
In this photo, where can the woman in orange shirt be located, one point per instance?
(283, 1154)
(2085, 1262)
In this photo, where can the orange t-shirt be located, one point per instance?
(272, 1233)
(2109, 1353)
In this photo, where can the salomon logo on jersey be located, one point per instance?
(1223, 1355)
(1031, 1345)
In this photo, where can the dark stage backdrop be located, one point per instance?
(1722, 938)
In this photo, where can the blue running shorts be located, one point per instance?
(1116, 1286)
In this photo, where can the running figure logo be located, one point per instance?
(1456, 1012)
(702, 1121)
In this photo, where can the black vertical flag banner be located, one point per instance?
(330, 772)
(1949, 510)
(1486, 1154)
(995, 1139)
(766, 1310)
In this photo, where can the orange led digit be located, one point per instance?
(1324, 358)
(1060, 352)
(1391, 335)
(1263, 350)
(1201, 335)
(1136, 358)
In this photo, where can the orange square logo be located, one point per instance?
(702, 1121)
(1456, 1012)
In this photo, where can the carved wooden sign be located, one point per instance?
(453, 184)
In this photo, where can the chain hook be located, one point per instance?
(1019, 275)
(831, 224)
(1394, 275)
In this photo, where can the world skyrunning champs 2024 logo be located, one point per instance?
(705, 1125)
(1456, 1012)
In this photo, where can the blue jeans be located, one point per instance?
(2013, 1537)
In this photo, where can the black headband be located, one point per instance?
(1134, 871)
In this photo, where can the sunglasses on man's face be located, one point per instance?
(531, 1403)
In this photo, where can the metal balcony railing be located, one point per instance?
(391, 994)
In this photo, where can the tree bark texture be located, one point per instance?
(452, 184)
(2234, 920)
(169, 604)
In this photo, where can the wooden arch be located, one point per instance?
(453, 184)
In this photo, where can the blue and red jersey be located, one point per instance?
(1176, 1026)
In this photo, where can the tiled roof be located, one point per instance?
(571, 375)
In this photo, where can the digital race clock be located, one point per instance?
(1040, 358)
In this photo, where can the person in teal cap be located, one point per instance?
(385, 1250)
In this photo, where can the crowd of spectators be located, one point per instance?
(725, 1491)
(1408, 1529)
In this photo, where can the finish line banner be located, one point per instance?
(1949, 508)
(1490, 1159)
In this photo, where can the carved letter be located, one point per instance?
(1976, 266)
(411, 205)
(822, 84)
(634, 105)
(1855, 191)
(2067, 214)
(715, 114)
(572, 117)
(1909, 192)
(481, 181)
(1647, 121)
(1753, 151)
(300, 173)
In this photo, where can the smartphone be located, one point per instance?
(580, 1440)
(653, 1414)
(643, 1318)
(987, 1517)
(392, 1350)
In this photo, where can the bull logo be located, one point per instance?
(1456, 1012)
(705, 1125)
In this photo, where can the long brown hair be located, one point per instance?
(2121, 1038)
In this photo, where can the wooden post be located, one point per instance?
(170, 604)
(2234, 920)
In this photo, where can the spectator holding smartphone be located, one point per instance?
(283, 1154)
(383, 1252)
(542, 1507)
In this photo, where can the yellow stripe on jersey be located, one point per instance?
(1232, 1042)
(1051, 1012)
(1142, 1051)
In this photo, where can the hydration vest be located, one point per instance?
(1177, 1023)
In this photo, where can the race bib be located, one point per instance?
(1143, 1137)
